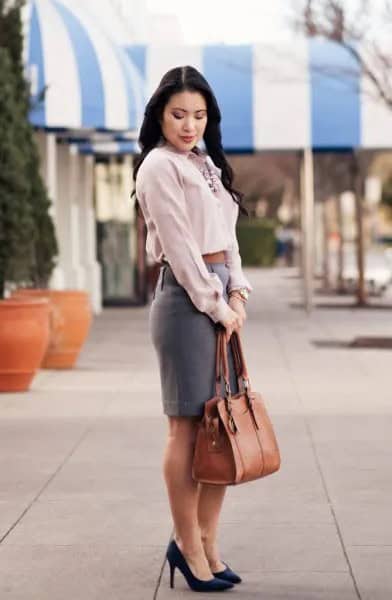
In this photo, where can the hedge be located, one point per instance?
(257, 241)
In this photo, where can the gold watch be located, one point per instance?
(243, 292)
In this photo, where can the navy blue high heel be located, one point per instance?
(176, 559)
(228, 575)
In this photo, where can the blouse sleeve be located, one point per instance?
(237, 278)
(162, 191)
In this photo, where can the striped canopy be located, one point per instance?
(281, 97)
(117, 147)
(86, 80)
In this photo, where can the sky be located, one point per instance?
(237, 21)
(229, 21)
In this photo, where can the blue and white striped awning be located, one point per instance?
(90, 82)
(108, 148)
(302, 94)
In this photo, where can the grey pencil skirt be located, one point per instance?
(185, 343)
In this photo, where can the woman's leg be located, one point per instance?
(183, 493)
(209, 507)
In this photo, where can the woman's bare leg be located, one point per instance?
(209, 507)
(183, 493)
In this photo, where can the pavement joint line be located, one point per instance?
(159, 580)
(354, 356)
(317, 460)
(49, 480)
(371, 545)
(332, 509)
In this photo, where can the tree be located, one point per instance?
(44, 248)
(16, 222)
(386, 198)
(355, 32)
(358, 31)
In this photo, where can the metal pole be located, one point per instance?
(307, 226)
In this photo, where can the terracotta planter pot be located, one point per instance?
(24, 339)
(70, 320)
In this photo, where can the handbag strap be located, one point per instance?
(239, 358)
(222, 368)
(222, 365)
(237, 364)
(221, 362)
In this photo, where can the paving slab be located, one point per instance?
(80, 572)
(372, 566)
(276, 585)
(74, 522)
(83, 506)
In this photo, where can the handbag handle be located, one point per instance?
(222, 366)
(239, 361)
(221, 363)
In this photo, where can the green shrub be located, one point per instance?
(257, 241)
(16, 222)
(28, 245)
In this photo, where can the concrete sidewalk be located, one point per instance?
(83, 508)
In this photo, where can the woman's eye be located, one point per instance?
(198, 117)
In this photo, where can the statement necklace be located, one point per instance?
(210, 176)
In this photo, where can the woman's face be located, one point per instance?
(184, 119)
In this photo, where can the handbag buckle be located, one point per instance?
(232, 425)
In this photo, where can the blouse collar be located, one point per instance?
(188, 153)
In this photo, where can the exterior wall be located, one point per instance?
(115, 215)
(69, 180)
(87, 232)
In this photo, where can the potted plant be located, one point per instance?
(70, 311)
(24, 323)
(69, 318)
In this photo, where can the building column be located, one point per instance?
(67, 217)
(307, 226)
(47, 147)
(87, 233)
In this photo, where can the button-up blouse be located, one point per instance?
(185, 218)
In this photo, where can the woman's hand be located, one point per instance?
(238, 306)
(236, 319)
(231, 323)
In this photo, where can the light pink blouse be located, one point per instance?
(186, 219)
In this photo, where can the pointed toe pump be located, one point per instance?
(228, 575)
(176, 560)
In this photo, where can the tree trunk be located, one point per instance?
(326, 257)
(357, 187)
(340, 257)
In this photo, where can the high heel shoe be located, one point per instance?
(228, 575)
(176, 559)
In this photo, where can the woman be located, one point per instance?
(190, 209)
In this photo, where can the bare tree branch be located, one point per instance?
(329, 19)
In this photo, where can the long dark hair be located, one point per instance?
(178, 80)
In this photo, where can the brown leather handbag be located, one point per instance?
(235, 440)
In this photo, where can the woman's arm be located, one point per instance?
(160, 188)
(237, 278)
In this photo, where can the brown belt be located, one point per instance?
(212, 257)
(215, 257)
